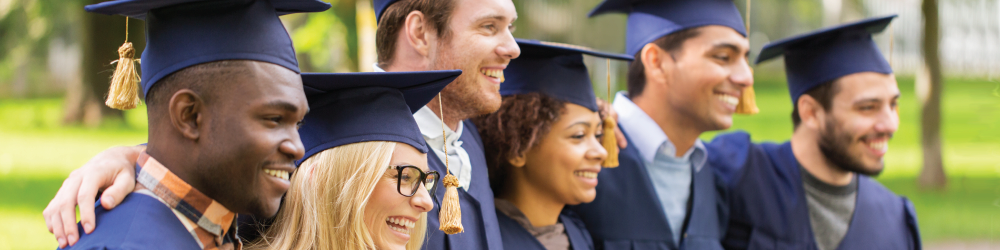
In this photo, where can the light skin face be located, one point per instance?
(480, 43)
(696, 88)
(253, 141)
(386, 204)
(853, 135)
(561, 170)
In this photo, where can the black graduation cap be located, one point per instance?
(348, 108)
(824, 55)
(183, 33)
(649, 20)
(553, 69)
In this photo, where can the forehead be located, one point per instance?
(714, 35)
(269, 82)
(474, 10)
(866, 85)
(405, 154)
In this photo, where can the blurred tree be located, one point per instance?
(932, 175)
(102, 35)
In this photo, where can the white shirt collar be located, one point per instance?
(430, 127)
(647, 136)
(375, 68)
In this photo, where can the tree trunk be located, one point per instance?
(102, 36)
(932, 175)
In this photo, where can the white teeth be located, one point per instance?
(728, 99)
(277, 173)
(880, 146)
(586, 174)
(495, 73)
(400, 225)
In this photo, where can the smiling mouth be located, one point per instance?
(280, 174)
(880, 145)
(493, 73)
(728, 99)
(585, 174)
(400, 224)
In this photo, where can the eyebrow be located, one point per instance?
(495, 17)
(585, 123)
(875, 99)
(727, 46)
(283, 105)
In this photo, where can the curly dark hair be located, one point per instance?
(520, 124)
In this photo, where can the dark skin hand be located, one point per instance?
(259, 130)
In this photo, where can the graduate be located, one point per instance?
(364, 182)
(224, 98)
(544, 146)
(816, 191)
(690, 75)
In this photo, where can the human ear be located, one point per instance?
(186, 112)
(517, 161)
(417, 33)
(811, 112)
(656, 63)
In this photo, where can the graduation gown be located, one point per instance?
(768, 207)
(516, 237)
(627, 213)
(139, 222)
(479, 217)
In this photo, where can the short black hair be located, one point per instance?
(823, 94)
(204, 79)
(670, 43)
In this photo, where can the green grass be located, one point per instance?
(37, 153)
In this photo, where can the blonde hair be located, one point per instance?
(324, 207)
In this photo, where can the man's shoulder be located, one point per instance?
(139, 222)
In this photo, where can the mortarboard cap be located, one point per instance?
(649, 20)
(348, 108)
(380, 6)
(824, 55)
(556, 70)
(183, 33)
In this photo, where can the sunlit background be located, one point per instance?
(55, 66)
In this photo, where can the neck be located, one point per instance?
(540, 210)
(808, 154)
(682, 131)
(452, 116)
(175, 161)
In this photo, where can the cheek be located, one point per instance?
(383, 198)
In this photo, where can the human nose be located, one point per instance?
(422, 200)
(293, 147)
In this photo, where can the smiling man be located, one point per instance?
(815, 191)
(474, 36)
(224, 99)
(687, 79)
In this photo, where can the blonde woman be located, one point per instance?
(364, 182)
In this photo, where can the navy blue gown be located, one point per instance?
(139, 222)
(627, 213)
(516, 237)
(479, 217)
(768, 207)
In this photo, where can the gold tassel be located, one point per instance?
(124, 91)
(610, 144)
(748, 102)
(450, 215)
(609, 141)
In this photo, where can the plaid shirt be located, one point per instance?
(202, 216)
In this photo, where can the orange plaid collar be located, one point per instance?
(210, 223)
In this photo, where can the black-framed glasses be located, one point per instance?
(409, 178)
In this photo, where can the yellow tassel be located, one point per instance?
(610, 143)
(124, 92)
(451, 213)
(748, 103)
